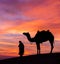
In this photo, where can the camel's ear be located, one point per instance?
(25, 32)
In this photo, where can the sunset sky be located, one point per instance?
(18, 16)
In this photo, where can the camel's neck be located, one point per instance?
(29, 38)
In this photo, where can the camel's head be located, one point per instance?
(27, 33)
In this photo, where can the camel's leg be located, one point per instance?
(51, 46)
(38, 48)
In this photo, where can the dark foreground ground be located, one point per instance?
(53, 58)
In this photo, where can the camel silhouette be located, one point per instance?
(41, 36)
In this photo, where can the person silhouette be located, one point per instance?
(21, 48)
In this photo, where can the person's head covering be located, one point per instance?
(20, 42)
